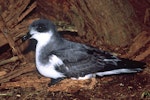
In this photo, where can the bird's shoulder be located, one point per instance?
(73, 52)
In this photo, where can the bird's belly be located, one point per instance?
(49, 71)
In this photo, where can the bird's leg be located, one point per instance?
(54, 81)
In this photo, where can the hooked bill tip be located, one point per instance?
(25, 37)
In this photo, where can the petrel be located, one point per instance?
(58, 58)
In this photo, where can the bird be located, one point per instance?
(58, 58)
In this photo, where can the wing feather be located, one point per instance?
(80, 60)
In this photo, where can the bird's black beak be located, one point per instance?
(26, 37)
(32, 43)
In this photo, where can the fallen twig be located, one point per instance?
(27, 11)
(28, 68)
(138, 50)
(11, 42)
(143, 55)
(13, 59)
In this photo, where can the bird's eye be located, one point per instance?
(41, 28)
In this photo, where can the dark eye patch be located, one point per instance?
(41, 27)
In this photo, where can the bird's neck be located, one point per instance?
(44, 50)
(39, 52)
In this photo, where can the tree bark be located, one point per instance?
(110, 22)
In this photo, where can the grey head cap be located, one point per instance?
(43, 25)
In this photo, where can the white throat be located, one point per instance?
(42, 40)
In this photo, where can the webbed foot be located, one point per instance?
(54, 81)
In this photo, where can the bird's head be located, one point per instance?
(40, 29)
(40, 32)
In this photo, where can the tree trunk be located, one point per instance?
(111, 22)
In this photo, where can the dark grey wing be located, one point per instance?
(80, 60)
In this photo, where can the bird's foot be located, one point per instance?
(54, 81)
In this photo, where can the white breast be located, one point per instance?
(48, 70)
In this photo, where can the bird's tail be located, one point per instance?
(123, 66)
